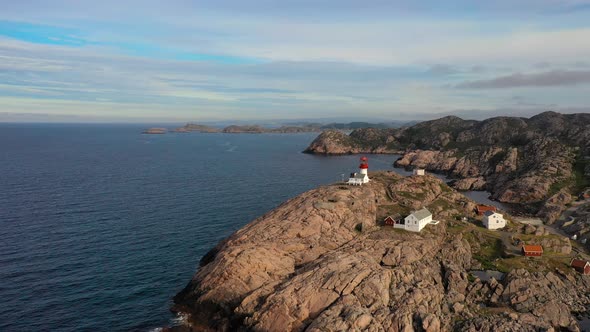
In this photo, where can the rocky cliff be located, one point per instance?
(323, 261)
(523, 161)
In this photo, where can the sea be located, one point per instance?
(102, 225)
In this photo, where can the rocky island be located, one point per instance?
(324, 261)
(284, 129)
(193, 127)
(154, 131)
(539, 163)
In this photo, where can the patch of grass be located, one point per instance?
(454, 228)
(444, 188)
(578, 182)
(443, 204)
(490, 251)
(508, 264)
(581, 181)
(410, 195)
(383, 211)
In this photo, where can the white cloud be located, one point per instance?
(325, 63)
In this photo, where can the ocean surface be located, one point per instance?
(101, 226)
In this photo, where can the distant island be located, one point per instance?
(284, 129)
(190, 127)
(155, 131)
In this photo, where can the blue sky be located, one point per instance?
(183, 60)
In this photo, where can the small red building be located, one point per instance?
(392, 220)
(581, 266)
(532, 250)
(481, 209)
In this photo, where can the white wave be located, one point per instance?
(180, 319)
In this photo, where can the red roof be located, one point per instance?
(532, 248)
(483, 208)
(579, 263)
(364, 166)
(486, 208)
(363, 158)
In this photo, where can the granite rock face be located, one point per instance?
(323, 262)
(520, 161)
(366, 140)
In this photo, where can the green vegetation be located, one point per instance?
(389, 210)
(462, 146)
(578, 182)
(414, 196)
(498, 157)
(519, 140)
(490, 251)
(445, 188)
(557, 186)
(581, 181)
(508, 264)
(441, 204)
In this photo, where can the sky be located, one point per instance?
(220, 60)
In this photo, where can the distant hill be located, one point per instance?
(196, 128)
(358, 125)
(520, 160)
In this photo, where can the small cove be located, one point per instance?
(481, 197)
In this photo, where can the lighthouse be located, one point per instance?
(363, 175)
(364, 167)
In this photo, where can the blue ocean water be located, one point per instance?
(101, 226)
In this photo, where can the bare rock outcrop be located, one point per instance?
(322, 262)
(520, 161)
(554, 206)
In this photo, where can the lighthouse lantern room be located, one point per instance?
(363, 175)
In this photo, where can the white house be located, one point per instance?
(419, 171)
(363, 175)
(416, 221)
(358, 179)
(493, 220)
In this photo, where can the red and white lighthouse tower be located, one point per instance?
(364, 167)
(361, 177)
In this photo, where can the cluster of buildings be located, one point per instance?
(414, 222)
(417, 220)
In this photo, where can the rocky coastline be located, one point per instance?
(539, 163)
(324, 261)
(284, 129)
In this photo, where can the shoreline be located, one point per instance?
(210, 300)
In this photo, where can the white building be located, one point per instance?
(358, 179)
(362, 176)
(416, 221)
(493, 220)
(419, 171)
